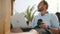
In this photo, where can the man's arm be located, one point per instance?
(54, 24)
(54, 21)
(54, 30)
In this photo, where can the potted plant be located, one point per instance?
(29, 14)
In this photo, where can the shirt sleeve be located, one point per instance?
(54, 21)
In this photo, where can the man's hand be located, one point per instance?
(43, 25)
(54, 30)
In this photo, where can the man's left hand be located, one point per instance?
(43, 25)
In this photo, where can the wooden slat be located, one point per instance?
(5, 13)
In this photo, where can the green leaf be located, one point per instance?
(28, 13)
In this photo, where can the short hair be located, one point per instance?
(45, 3)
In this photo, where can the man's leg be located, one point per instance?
(39, 31)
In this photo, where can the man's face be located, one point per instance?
(41, 6)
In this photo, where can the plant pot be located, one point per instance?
(28, 23)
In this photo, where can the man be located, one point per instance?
(50, 20)
(40, 29)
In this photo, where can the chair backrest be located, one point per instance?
(58, 15)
